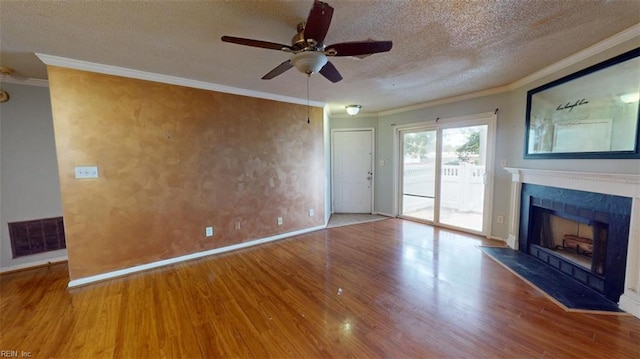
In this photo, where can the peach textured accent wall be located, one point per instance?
(173, 160)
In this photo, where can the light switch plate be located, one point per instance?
(86, 171)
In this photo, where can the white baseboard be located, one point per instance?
(630, 304)
(33, 264)
(498, 238)
(385, 214)
(165, 262)
(512, 242)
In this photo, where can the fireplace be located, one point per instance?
(583, 234)
(579, 240)
(602, 213)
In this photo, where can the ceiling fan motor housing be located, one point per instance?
(298, 41)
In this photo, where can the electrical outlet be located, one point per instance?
(208, 231)
(86, 171)
(311, 212)
(237, 226)
(500, 219)
(279, 221)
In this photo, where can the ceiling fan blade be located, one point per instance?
(356, 48)
(278, 70)
(318, 21)
(330, 72)
(255, 43)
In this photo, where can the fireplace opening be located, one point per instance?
(578, 240)
(582, 234)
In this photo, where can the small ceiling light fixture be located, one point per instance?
(630, 97)
(353, 110)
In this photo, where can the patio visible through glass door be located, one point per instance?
(462, 178)
(419, 174)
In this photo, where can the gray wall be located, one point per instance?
(359, 121)
(384, 178)
(29, 170)
(509, 139)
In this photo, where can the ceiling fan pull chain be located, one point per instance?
(308, 107)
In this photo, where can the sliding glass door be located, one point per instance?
(419, 174)
(462, 178)
(443, 173)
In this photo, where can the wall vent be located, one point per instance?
(36, 236)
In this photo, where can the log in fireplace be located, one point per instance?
(579, 240)
(583, 234)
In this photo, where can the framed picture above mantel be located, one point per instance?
(593, 113)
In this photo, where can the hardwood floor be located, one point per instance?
(389, 288)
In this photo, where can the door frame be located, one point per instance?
(488, 118)
(372, 132)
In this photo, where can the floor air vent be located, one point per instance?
(36, 236)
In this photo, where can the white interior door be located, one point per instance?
(352, 171)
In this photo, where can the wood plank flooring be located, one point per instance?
(390, 289)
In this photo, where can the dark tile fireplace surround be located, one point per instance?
(607, 215)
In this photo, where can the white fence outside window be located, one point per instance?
(462, 187)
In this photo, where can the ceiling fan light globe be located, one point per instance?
(309, 62)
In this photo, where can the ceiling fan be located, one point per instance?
(309, 53)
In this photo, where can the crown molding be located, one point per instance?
(606, 44)
(28, 81)
(444, 101)
(172, 80)
(624, 36)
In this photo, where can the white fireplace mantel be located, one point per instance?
(625, 185)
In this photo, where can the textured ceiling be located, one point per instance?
(440, 48)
